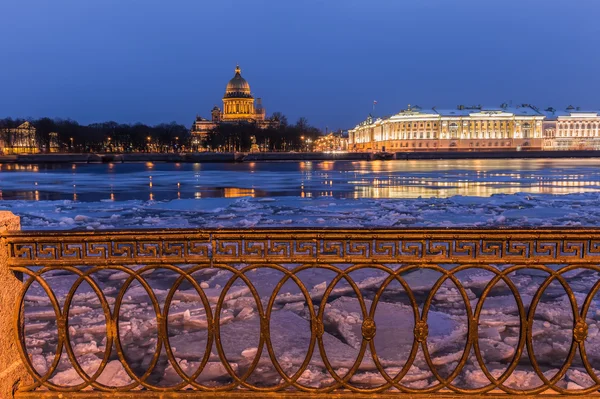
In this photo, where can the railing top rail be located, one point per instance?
(305, 245)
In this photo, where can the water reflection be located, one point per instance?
(8, 167)
(233, 192)
(308, 179)
(427, 189)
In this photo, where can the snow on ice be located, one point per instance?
(497, 210)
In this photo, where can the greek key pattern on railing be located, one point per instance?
(241, 254)
(385, 246)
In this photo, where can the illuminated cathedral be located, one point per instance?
(239, 106)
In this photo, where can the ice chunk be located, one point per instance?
(394, 326)
(114, 375)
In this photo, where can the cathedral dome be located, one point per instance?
(238, 86)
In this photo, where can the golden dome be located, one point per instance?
(238, 86)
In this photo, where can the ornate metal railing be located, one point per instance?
(549, 258)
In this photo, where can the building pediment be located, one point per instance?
(25, 125)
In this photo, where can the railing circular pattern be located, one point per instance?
(265, 345)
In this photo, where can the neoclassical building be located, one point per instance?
(571, 129)
(19, 140)
(462, 129)
(239, 106)
(334, 141)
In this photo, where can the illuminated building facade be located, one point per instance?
(461, 129)
(335, 141)
(571, 129)
(19, 140)
(239, 106)
(238, 102)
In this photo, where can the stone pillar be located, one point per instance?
(12, 372)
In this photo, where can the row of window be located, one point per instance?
(366, 133)
(421, 135)
(452, 125)
(578, 134)
(434, 144)
(571, 127)
(433, 135)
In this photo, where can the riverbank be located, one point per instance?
(286, 156)
(188, 157)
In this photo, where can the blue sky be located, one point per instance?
(156, 61)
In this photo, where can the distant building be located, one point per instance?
(239, 106)
(200, 130)
(54, 144)
(19, 140)
(334, 141)
(462, 129)
(571, 129)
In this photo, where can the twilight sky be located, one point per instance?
(156, 61)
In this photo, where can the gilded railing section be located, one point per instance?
(136, 354)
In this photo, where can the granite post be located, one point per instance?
(12, 372)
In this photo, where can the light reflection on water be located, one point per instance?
(310, 179)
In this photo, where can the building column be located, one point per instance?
(13, 374)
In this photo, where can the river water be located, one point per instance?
(339, 179)
(340, 193)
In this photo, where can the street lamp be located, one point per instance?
(148, 138)
(71, 138)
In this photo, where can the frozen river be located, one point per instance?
(341, 193)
